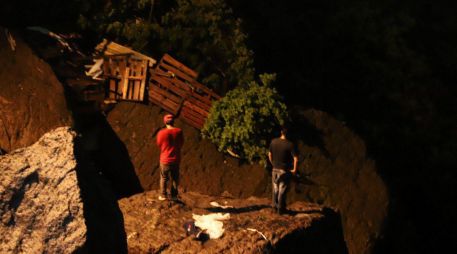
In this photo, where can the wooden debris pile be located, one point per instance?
(131, 76)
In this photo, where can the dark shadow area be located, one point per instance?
(324, 236)
(237, 210)
(302, 130)
(114, 161)
(104, 220)
(293, 213)
(103, 146)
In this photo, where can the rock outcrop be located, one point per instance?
(32, 100)
(40, 204)
(154, 226)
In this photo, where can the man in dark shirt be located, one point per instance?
(170, 141)
(283, 156)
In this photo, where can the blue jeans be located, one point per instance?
(280, 180)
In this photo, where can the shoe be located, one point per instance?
(175, 199)
(281, 211)
(161, 198)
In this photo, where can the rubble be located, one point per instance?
(40, 205)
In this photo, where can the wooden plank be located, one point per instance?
(192, 113)
(164, 103)
(200, 98)
(206, 92)
(195, 108)
(170, 86)
(125, 83)
(165, 67)
(179, 84)
(112, 89)
(205, 106)
(167, 94)
(111, 48)
(172, 61)
(142, 88)
(136, 90)
(192, 123)
(196, 122)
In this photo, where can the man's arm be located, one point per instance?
(294, 171)
(269, 157)
(159, 139)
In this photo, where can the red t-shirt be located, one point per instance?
(170, 142)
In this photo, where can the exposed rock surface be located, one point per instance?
(32, 100)
(154, 226)
(40, 204)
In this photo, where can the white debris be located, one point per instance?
(95, 70)
(215, 204)
(255, 230)
(211, 223)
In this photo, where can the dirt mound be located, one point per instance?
(40, 204)
(333, 161)
(154, 226)
(32, 100)
(339, 174)
(203, 168)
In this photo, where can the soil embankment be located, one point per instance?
(32, 100)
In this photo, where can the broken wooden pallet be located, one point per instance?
(173, 86)
(125, 77)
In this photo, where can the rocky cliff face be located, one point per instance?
(32, 100)
(40, 204)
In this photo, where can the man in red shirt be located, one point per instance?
(170, 141)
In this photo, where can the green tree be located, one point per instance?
(243, 121)
(203, 34)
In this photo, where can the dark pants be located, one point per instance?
(280, 180)
(167, 172)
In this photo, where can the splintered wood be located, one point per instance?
(173, 86)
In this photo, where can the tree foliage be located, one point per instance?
(204, 34)
(244, 120)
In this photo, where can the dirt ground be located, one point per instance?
(251, 226)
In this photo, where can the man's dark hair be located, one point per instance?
(283, 130)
